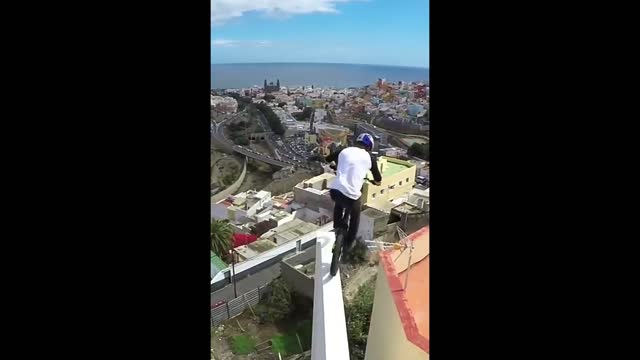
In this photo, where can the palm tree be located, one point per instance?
(221, 233)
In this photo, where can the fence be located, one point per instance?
(235, 307)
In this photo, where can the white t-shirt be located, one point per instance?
(353, 165)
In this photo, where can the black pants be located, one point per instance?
(346, 211)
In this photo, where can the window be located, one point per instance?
(400, 182)
(391, 187)
(373, 195)
(407, 180)
(381, 191)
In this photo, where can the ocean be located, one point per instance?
(227, 76)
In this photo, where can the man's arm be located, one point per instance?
(374, 169)
(333, 157)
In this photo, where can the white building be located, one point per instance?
(224, 104)
(247, 209)
(289, 231)
(393, 152)
(312, 200)
(319, 115)
(242, 208)
(420, 198)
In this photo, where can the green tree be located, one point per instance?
(419, 150)
(243, 101)
(272, 118)
(241, 140)
(221, 233)
(251, 109)
(282, 104)
(358, 316)
(228, 179)
(280, 304)
(269, 97)
(306, 113)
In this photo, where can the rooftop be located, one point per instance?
(391, 168)
(261, 246)
(381, 205)
(407, 208)
(279, 214)
(216, 264)
(260, 194)
(420, 192)
(255, 248)
(412, 301)
(374, 213)
(289, 231)
(317, 183)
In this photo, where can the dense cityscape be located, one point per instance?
(270, 202)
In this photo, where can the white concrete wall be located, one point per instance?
(286, 219)
(365, 230)
(262, 217)
(329, 339)
(308, 215)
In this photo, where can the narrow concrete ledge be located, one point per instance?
(329, 341)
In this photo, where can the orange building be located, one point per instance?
(399, 327)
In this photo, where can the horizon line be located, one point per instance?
(326, 63)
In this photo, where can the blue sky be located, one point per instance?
(384, 32)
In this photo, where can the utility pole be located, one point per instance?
(233, 270)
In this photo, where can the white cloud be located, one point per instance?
(247, 43)
(223, 43)
(224, 10)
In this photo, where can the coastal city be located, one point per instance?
(270, 205)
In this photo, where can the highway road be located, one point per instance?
(261, 157)
(220, 139)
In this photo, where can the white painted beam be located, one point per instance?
(329, 340)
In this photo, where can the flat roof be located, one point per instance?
(289, 231)
(261, 245)
(292, 230)
(316, 179)
(408, 208)
(374, 213)
(217, 262)
(252, 250)
(381, 205)
(261, 194)
(412, 301)
(279, 215)
(392, 168)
